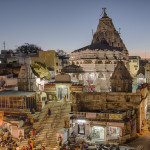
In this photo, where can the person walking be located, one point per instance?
(32, 143)
(49, 112)
(117, 147)
(43, 148)
(33, 132)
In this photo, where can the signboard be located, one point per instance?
(99, 123)
(76, 89)
(90, 115)
(49, 87)
(115, 116)
(115, 124)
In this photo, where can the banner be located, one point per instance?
(90, 115)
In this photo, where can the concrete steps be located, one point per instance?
(47, 126)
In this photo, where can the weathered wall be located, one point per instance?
(105, 101)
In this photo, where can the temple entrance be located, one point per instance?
(98, 132)
(62, 93)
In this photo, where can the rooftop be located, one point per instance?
(16, 93)
(99, 46)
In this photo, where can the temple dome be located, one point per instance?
(121, 80)
(121, 72)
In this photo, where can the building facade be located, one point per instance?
(134, 65)
(109, 116)
(61, 88)
(48, 58)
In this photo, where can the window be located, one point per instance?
(81, 129)
(127, 99)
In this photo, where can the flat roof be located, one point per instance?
(16, 93)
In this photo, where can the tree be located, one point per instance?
(28, 48)
(40, 70)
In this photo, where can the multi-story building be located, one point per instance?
(147, 72)
(63, 59)
(134, 65)
(49, 58)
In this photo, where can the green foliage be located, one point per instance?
(40, 70)
(28, 48)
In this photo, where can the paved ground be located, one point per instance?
(142, 141)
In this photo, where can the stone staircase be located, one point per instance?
(47, 126)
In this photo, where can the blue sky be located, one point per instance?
(68, 24)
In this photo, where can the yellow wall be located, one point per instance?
(48, 58)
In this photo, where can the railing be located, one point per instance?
(13, 105)
(15, 110)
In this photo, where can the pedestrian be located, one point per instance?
(33, 132)
(29, 146)
(60, 141)
(49, 112)
(23, 148)
(32, 143)
(43, 148)
(117, 147)
(67, 147)
(33, 110)
(28, 140)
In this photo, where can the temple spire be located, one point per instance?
(104, 13)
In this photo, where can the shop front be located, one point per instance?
(103, 132)
(98, 132)
(89, 131)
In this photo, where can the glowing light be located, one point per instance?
(81, 121)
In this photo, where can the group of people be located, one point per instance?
(67, 147)
(6, 139)
(27, 148)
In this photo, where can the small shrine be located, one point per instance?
(62, 87)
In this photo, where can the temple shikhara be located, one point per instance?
(95, 97)
(99, 59)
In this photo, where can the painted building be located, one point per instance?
(61, 88)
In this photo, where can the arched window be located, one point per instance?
(88, 62)
(99, 62)
(108, 62)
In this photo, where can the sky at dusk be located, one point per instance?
(68, 24)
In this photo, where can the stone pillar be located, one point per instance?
(105, 134)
